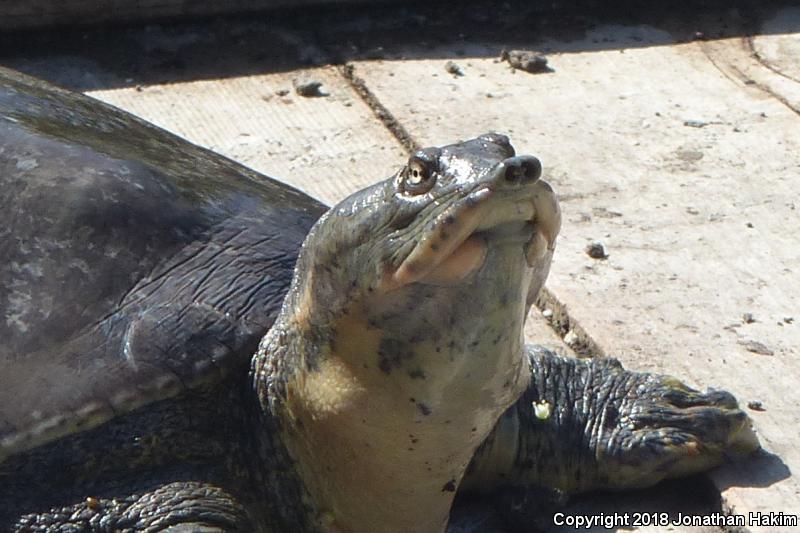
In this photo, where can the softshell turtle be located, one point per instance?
(169, 363)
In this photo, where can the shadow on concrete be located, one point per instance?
(694, 496)
(284, 40)
(761, 470)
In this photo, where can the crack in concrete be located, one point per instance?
(743, 78)
(748, 40)
(381, 112)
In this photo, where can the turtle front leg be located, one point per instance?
(177, 507)
(588, 424)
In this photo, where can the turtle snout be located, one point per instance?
(520, 170)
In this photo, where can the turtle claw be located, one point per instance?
(671, 430)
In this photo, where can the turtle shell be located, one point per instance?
(134, 264)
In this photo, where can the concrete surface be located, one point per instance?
(326, 146)
(675, 140)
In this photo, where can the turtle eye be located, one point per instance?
(418, 177)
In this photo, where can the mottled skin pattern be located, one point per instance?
(142, 272)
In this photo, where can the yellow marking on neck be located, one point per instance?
(331, 389)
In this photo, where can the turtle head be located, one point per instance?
(469, 223)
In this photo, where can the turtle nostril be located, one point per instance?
(522, 169)
(513, 173)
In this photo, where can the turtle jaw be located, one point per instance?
(462, 235)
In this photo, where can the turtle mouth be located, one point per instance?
(460, 237)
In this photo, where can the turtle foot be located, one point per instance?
(661, 428)
(620, 429)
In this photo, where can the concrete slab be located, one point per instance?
(687, 176)
(326, 146)
(778, 42)
(764, 63)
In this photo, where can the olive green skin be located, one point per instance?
(142, 273)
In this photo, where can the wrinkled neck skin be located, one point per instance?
(383, 396)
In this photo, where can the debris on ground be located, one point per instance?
(571, 338)
(788, 319)
(282, 92)
(453, 68)
(755, 405)
(748, 318)
(308, 87)
(525, 60)
(597, 250)
(756, 347)
(695, 123)
(541, 410)
(547, 313)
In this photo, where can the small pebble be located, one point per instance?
(308, 88)
(748, 318)
(282, 92)
(571, 338)
(525, 60)
(597, 250)
(756, 347)
(755, 405)
(788, 319)
(695, 123)
(453, 68)
(547, 313)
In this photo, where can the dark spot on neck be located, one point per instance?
(417, 373)
(392, 353)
